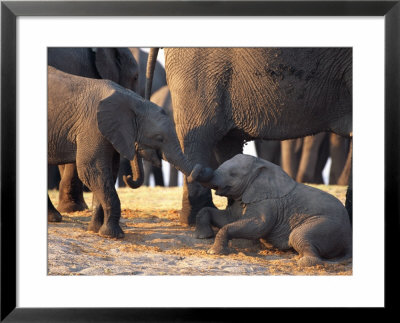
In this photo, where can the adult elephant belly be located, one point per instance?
(59, 154)
(225, 96)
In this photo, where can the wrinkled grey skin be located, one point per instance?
(115, 64)
(152, 164)
(91, 123)
(270, 205)
(223, 97)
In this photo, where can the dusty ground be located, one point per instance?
(156, 244)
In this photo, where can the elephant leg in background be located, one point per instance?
(291, 154)
(70, 198)
(309, 159)
(52, 214)
(173, 176)
(53, 177)
(269, 150)
(344, 178)
(338, 148)
(147, 172)
(158, 175)
(106, 204)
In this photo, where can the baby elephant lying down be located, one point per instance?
(270, 205)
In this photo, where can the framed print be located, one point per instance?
(32, 290)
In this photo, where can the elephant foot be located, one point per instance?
(219, 250)
(72, 206)
(111, 231)
(54, 216)
(309, 261)
(203, 232)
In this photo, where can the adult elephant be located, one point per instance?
(159, 80)
(115, 64)
(223, 97)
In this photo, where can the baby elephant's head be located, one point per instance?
(250, 179)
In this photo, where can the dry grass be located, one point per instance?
(156, 243)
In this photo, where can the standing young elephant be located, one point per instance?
(91, 123)
(223, 97)
(151, 165)
(115, 64)
(270, 205)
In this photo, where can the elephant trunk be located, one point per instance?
(204, 176)
(192, 171)
(137, 171)
(151, 64)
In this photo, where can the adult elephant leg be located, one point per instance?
(291, 154)
(147, 172)
(338, 151)
(323, 157)
(195, 196)
(345, 176)
(309, 159)
(53, 177)
(71, 190)
(269, 150)
(52, 214)
(173, 176)
(158, 176)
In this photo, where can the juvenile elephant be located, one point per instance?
(270, 205)
(91, 123)
(115, 64)
(223, 97)
(151, 165)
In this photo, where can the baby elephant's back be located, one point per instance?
(314, 202)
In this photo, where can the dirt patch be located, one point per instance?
(156, 243)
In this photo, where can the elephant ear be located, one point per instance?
(270, 182)
(116, 121)
(107, 63)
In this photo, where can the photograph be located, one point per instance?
(199, 161)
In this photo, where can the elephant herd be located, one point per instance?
(296, 103)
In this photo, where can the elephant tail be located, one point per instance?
(151, 64)
(137, 171)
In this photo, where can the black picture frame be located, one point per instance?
(10, 10)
